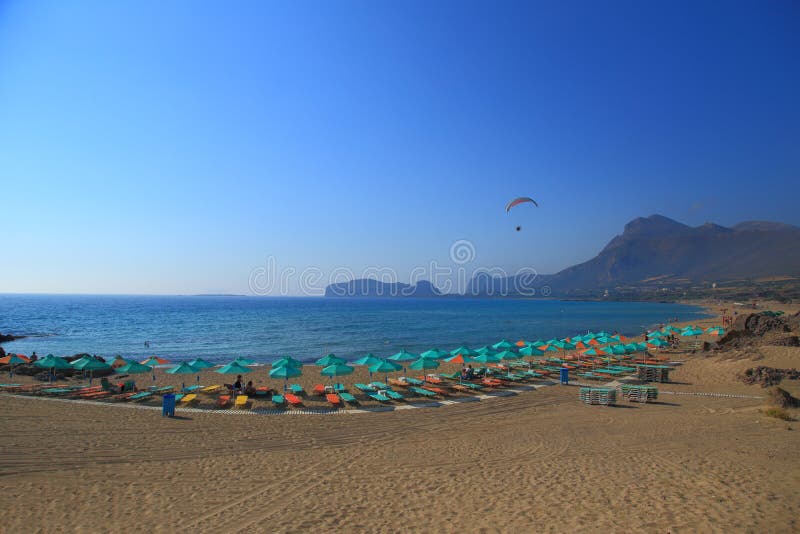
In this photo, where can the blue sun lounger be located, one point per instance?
(378, 397)
(278, 400)
(366, 388)
(192, 389)
(297, 389)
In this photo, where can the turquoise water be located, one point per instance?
(221, 328)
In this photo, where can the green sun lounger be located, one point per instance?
(192, 389)
(141, 396)
(366, 388)
(471, 385)
(451, 376)
(379, 385)
(394, 395)
(179, 396)
(278, 400)
(346, 397)
(423, 392)
(378, 397)
(297, 389)
(413, 381)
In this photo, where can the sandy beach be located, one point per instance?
(539, 460)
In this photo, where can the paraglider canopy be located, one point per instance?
(518, 201)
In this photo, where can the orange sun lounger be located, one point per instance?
(223, 401)
(334, 400)
(292, 399)
(318, 389)
(438, 391)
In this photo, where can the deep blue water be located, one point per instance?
(221, 328)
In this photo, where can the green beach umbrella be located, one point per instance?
(655, 334)
(184, 368)
(403, 356)
(245, 361)
(285, 371)
(133, 368)
(603, 339)
(435, 354)
(507, 355)
(531, 351)
(233, 368)
(486, 358)
(386, 367)
(503, 345)
(551, 341)
(423, 364)
(658, 342)
(199, 363)
(369, 359)
(617, 350)
(337, 369)
(462, 350)
(287, 360)
(539, 343)
(602, 333)
(632, 347)
(90, 364)
(691, 331)
(330, 359)
(482, 350)
(52, 362)
(595, 351)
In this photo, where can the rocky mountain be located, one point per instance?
(658, 251)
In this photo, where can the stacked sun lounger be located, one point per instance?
(639, 393)
(653, 373)
(604, 396)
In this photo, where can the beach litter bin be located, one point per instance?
(168, 405)
(564, 375)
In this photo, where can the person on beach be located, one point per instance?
(237, 386)
(250, 389)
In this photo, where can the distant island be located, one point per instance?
(655, 258)
(365, 287)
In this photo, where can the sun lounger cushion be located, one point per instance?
(141, 395)
(188, 398)
(240, 401)
(333, 398)
(293, 399)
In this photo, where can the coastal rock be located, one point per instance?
(8, 337)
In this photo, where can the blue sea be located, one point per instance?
(221, 328)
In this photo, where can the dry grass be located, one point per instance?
(778, 413)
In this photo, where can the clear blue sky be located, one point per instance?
(171, 147)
